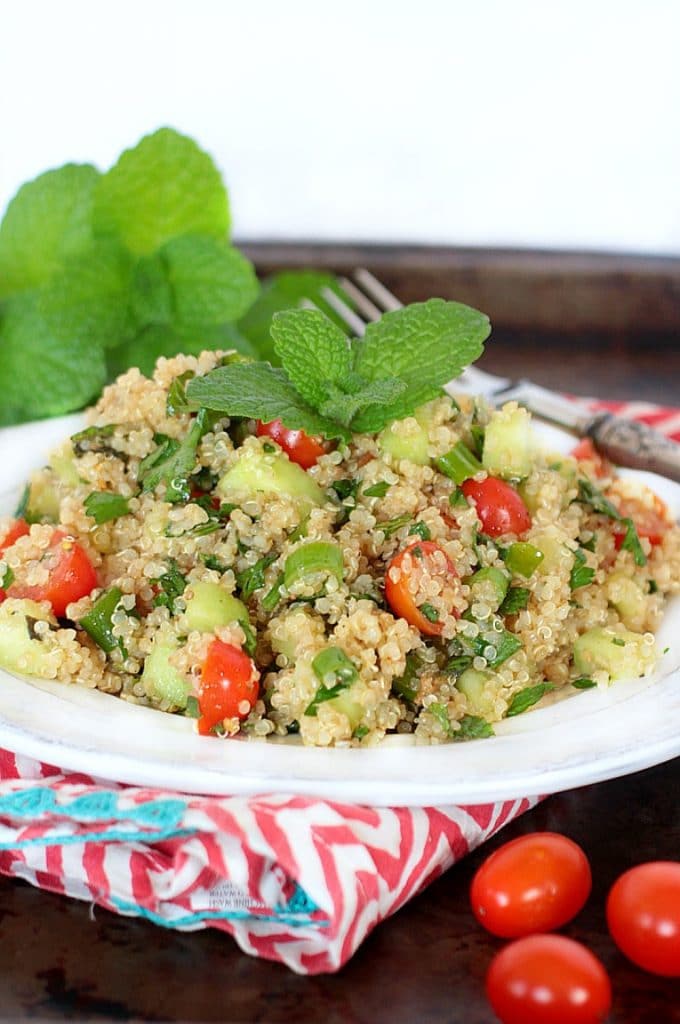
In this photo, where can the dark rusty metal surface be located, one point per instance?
(427, 963)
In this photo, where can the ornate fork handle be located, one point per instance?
(629, 443)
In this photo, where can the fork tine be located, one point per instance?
(364, 305)
(353, 321)
(376, 291)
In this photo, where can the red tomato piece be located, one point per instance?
(650, 522)
(585, 451)
(548, 979)
(532, 884)
(19, 528)
(229, 685)
(298, 446)
(71, 575)
(421, 556)
(499, 506)
(643, 914)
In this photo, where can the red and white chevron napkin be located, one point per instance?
(294, 879)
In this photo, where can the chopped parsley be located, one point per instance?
(583, 683)
(420, 530)
(378, 490)
(589, 494)
(172, 585)
(104, 506)
(526, 698)
(581, 574)
(193, 708)
(515, 600)
(430, 612)
(618, 641)
(252, 578)
(391, 526)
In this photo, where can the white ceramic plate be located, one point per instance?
(584, 738)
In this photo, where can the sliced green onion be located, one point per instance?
(459, 464)
(391, 526)
(523, 559)
(491, 577)
(98, 621)
(273, 596)
(316, 557)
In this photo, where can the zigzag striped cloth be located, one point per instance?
(294, 879)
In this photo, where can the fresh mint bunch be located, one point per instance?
(332, 385)
(99, 272)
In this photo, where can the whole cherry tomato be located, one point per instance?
(499, 507)
(298, 446)
(643, 914)
(532, 884)
(548, 979)
(423, 556)
(229, 685)
(71, 575)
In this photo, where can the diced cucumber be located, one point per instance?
(627, 596)
(19, 651)
(162, 682)
(489, 585)
(346, 704)
(556, 553)
(259, 472)
(43, 502)
(64, 467)
(620, 653)
(210, 606)
(508, 444)
(408, 438)
(473, 684)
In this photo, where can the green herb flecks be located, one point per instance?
(421, 530)
(193, 708)
(525, 699)
(583, 683)
(7, 578)
(581, 574)
(515, 600)
(494, 647)
(172, 585)
(103, 506)
(98, 622)
(252, 578)
(390, 526)
(173, 463)
(378, 490)
(176, 402)
(589, 494)
(429, 611)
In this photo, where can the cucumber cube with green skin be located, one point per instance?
(64, 467)
(410, 441)
(508, 444)
(348, 706)
(489, 585)
(210, 606)
(19, 651)
(43, 501)
(473, 684)
(162, 682)
(627, 596)
(259, 472)
(622, 654)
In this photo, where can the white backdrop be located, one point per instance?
(520, 122)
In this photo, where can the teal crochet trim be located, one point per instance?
(278, 916)
(31, 803)
(107, 836)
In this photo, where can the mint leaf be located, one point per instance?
(150, 292)
(526, 698)
(48, 220)
(343, 407)
(46, 374)
(286, 291)
(210, 282)
(314, 353)
(88, 297)
(631, 542)
(259, 391)
(165, 186)
(426, 345)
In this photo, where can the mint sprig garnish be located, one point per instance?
(333, 385)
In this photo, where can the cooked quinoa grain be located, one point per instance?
(370, 594)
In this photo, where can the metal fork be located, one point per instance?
(624, 441)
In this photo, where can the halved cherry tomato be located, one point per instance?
(643, 914)
(229, 685)
(499, 506)
(19, 528)
(548, 979)
(421, 556)
(585, 451)
(298, 446)
(71, 575)
(532, 884)
(651, 522)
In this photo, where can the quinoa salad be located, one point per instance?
(430, 578)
